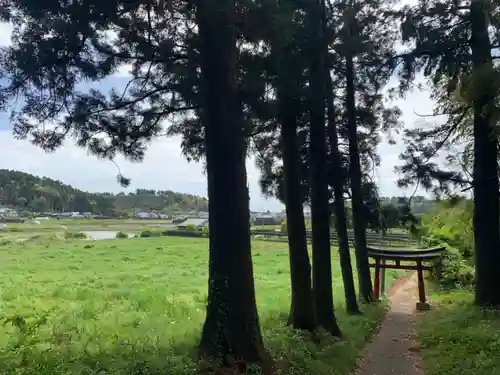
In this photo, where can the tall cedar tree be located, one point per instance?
(339, 204)
(453, 43)
(288, 76)
(338, 180)
(160, 41)
(232, 324)
(365, 285)
(363, 39)
(320, 216)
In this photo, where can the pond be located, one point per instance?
(103, 234)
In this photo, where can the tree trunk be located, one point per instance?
(320, 216)
(231, 330)
(360, 245)
(486, 194)
(302, 314)
(339, 206)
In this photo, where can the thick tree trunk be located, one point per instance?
(339, 206)
(231, 331)
(364, 280)
(320, 216)
(486, 194)
(302, 314)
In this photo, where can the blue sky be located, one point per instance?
(164, 167)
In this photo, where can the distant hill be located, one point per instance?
(40, 194)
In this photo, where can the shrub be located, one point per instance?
(191, 228)
(74, 235)
(150, 233)
(27, 214)
(121, 234)
(13, 220)
(451, 226)
(184, 233)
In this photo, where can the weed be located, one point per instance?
(459, 338)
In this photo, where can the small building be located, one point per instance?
(8, 212)
(146, 215)
(266, 220)
(196, 221)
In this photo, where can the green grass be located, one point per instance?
(459, 338)
(136, 307)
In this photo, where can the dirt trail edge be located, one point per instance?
(393, 350)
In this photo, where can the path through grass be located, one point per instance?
(136, 306)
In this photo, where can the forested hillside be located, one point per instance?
(31, 193)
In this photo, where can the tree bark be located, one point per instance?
(359, 224)
(302, 314)
(231, 330)
(320, 216)
(339, 206)
(486, 194)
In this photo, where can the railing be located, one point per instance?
(373, 238)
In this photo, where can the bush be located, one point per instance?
(74, 235)
(191, 228)
(451, 226)
(12, 220)
(121, 235)
(184, 233)
(27, 214)
(150, 233)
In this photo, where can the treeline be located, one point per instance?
(26, 192)
(298, 84)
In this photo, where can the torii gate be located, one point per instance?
(392, 259)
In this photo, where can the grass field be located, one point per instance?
(459, 338)
(136, 306)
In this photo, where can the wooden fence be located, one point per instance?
(402, 240)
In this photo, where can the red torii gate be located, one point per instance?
(392, 259)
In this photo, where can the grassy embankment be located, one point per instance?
(457, 337)
(136, 306)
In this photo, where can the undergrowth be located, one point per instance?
(457, 337)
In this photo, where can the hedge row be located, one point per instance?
(178, 233)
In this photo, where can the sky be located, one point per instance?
(164, 167)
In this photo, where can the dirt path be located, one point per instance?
(393, 350)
